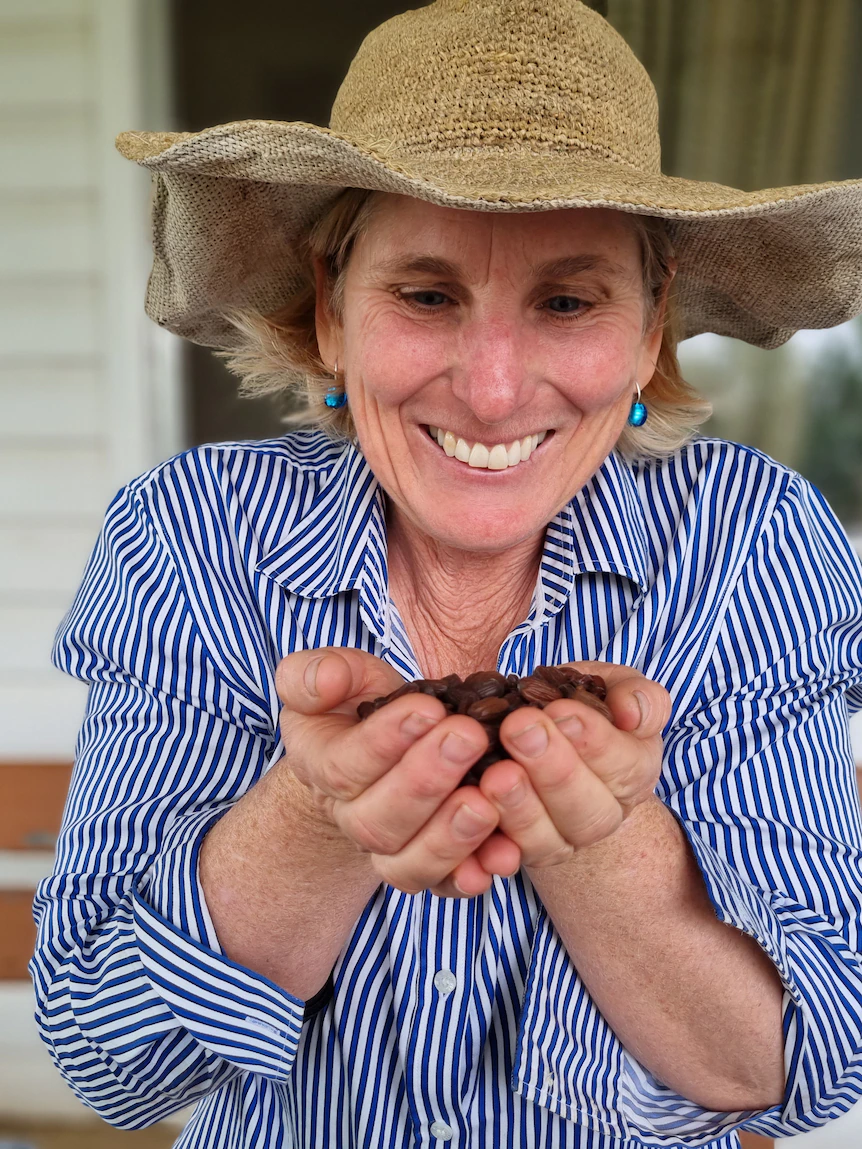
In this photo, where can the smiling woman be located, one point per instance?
(279, 353)
(635, 930)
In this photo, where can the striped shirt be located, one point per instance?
(718, 572)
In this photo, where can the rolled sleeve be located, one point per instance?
(759, 772)
(140, 1008)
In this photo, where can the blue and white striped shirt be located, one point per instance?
(718, 573)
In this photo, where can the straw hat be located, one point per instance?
(490, 105)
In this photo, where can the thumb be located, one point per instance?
(332, 678)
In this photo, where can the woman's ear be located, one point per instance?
(655, 334)
(327, 328)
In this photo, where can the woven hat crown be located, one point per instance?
(514, 75)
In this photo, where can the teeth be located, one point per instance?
(479, 456)
(497, 458)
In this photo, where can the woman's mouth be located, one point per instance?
(496, 457)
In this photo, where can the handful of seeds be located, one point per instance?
(488, 697)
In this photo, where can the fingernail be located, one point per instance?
(467, 823)
(457, 749)
(310, 676)
(533, 740)
(414, 725)
(514, 796)
(570, 725)
(644, 707)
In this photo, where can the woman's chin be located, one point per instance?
(471, 527)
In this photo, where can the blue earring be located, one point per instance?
(335, 396)
(638, 413)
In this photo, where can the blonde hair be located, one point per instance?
(278, 353)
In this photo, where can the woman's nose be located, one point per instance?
(493, 376)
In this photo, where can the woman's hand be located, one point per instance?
(390, 783)
(573, 776)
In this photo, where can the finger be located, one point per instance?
(468, 880)
(639, 705)
(388, 813)
(451, 836)
(626, 763)
(578, 802)
(317, 681)
(524, 818)
(498, 854)
(343, 756)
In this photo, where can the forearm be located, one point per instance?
(694, 1000)
(284, 887)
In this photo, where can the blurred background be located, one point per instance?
(91, 393)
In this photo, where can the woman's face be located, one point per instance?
(490, 328)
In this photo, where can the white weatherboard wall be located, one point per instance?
(88, 386)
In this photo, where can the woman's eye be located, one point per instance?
(565, 305)
(427, 299)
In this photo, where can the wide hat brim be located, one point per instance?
(232, 205)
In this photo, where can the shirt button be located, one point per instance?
(441, 1130)
(445, 980)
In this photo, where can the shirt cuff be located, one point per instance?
(657, 1115)
(232, 1011)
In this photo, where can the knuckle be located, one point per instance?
(344, 781)
(371, 835)
(426, 785)
(629, 782)
(563, 853)
(521, 821)
(598, 826)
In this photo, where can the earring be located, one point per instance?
(638, 413)
(335, 396)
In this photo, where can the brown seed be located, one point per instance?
(538, 693)
(466, 701)
(433, 686)
(592, 700)
(514, 700)
(457, 693)
(365, 709)
(488, 709)
(486, 683)
(407, 688)
(595, 684)
(556, 675)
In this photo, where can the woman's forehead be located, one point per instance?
(402, 226)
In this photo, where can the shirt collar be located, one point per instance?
(339, 543)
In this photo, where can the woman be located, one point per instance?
(638, 932)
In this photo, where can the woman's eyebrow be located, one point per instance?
(428, 264)
(569, 266)
(562, 268)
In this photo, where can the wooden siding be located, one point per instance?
(81, 409)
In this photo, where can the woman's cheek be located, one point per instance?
(596, 372)
(396, 360)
